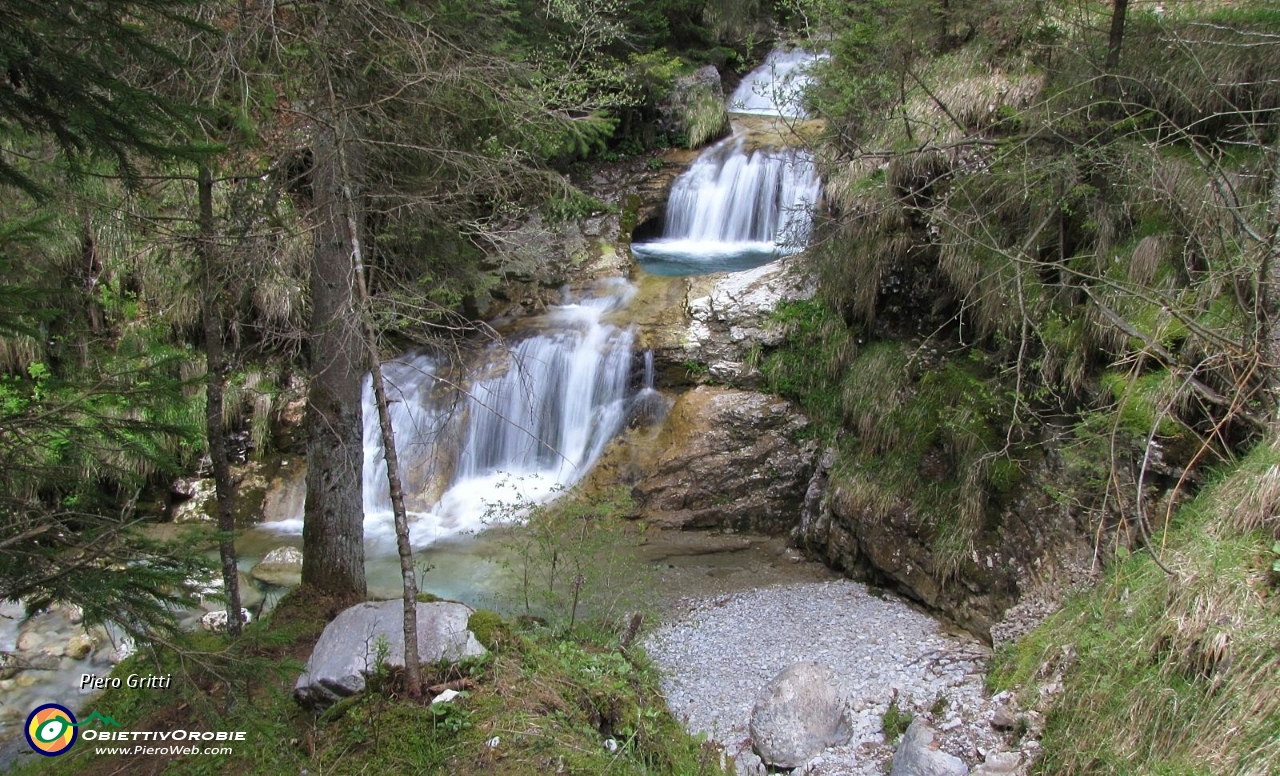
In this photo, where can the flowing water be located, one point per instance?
(527, 421)
(530, 416)
(776, 88)
(742, 204)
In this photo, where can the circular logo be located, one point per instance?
(51, 729)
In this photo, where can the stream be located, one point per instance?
(528, 415)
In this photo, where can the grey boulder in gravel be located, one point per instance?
(798, 714)
(917, 755)
(347, 651)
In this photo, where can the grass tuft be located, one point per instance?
(1154, 673)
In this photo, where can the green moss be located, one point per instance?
(569, 203)
(1142, 401)
(489, 629)
(629, 216)
(806, 367)
(895, 722)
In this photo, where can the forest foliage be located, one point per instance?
(1091, 247)
(1052, 235)
(460, 122)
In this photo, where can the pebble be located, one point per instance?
(716, 654)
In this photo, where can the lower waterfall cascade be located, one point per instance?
(530, 420)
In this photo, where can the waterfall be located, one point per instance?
(732, 195)
(529, 420)
(648, 406)
(776, 88)
(742, 204)
(553, 402)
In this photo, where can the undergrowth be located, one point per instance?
(911, 427)
(1169, 673)
(538, 702)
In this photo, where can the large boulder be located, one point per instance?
(799, 713)
(282, 566)
(729, 459)
(348, 650)
(918, 755)
(695, 107)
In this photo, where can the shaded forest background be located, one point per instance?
(1049, 262)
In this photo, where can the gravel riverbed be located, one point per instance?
(718, 653)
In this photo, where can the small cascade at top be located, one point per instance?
(776, 88)
(742, 203)
(529, 420)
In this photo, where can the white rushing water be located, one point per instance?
(739, 205)
(531, 418)
(776, 88)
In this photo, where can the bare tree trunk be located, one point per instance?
(1115, 39)
(333, 523)
(412, 661)
(216, 377)
(1269, 284)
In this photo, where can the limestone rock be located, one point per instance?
(198, 500)
(282, 566)
(78, 646)
(748, 763)
(731, 314)
(1004, 718)
(346, 653)
(211, 598)
(798, 714)
(999, 764)
(918, 755)
(1029, 544)
(727, 458)
(216, 622)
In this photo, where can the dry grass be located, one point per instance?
(1174, 673)
(957, 96)
(17, 352)
(705, 119)
(872, 237)
(1250, 500)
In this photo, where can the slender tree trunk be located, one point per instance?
(216, 377)
(412, 662)
(333, 523)
(1269, 286)
(1115, 39)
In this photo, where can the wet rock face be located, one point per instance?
(1024, 542)
(727, 458)
(718, 321)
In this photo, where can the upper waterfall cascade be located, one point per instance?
(742, 204)
(776, 88)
